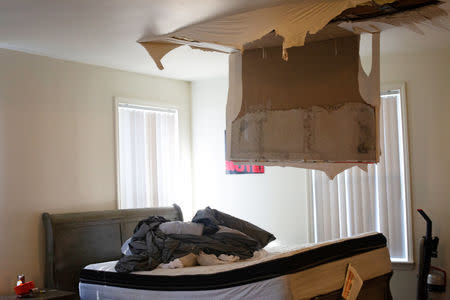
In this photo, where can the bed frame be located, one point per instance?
(74, 240)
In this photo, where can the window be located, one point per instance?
(355, 201)
(148, 155)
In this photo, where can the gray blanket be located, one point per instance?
(150, 246)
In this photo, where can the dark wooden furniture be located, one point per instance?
(75, 240)
(49, 294)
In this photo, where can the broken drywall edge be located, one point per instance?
(291, 20)
(158, 49)
(234, 100)
(330, 169)
(340, 133)
(369, 85)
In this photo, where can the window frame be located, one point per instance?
(149, 104)
(409, 260)
(401, 87)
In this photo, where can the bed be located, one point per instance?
(82, 249)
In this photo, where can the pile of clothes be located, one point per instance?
(212, 235)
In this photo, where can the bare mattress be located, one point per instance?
(282, 273)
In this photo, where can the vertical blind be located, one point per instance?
(148, 148)
(356, 201)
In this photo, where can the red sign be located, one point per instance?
(232, 168)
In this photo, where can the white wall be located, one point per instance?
(57, 153)
(57, 147)
(427, 78)
(275, 201)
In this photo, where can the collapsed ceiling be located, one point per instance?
(298, 95)
(292, 22)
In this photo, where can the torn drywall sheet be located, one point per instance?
(292, 21)
(318, 107)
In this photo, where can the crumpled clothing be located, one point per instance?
(204, 259)
(150, 247)
(189, 260)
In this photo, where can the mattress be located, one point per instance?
(283, 273)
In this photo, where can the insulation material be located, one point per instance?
(431, 15)
(292, 21)
(281, 113)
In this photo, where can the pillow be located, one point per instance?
(212, 218)
(178, 227)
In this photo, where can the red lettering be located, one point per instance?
(240, 168)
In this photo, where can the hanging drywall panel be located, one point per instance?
(317, 107)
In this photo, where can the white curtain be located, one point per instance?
(148, 157)
(357, 201)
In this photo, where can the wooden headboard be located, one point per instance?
(74, 240)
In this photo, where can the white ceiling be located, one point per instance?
(104, 32)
